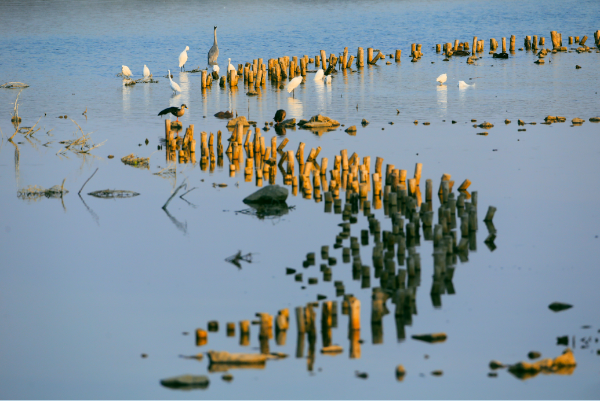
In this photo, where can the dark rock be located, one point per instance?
(533, 355)
(559, 306)
(272, 194)
(500, 55)
(186, 382)
(224, 114)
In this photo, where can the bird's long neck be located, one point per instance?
(215, 36)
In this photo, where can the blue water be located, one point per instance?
(88, 285)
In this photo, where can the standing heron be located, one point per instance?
(174, 84)
(230, 66)
(146, 72)
(319, 75)
(442, 78)
(125, 71)
(213, 53)
(176, 111)
(293, 84)
(183, 58)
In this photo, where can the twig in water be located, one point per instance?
(186, 192)
(87, 181)
(173, 195)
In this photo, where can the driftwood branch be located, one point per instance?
(173, 195)
(87, 181)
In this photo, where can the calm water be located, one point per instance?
(88, 285)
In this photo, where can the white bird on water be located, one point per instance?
(328, 79)
(183, 58)
(230, 66)
(442, 78)
(216, 68)
(213, 53)
(463, 84)
(146, 72)
(293, 84)
(319, 75)
(126, 71)
(174, 84)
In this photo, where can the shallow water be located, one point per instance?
(87, 285)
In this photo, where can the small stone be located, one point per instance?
(425, 123)
(496, 365)
(507, 121)
(298, 277)
(111, 156)
(484, 133)
(437, 372)
(534, 355)
(577, 67)
(227, 377)
(144, 355)
(559, 306)
(453, 122)
(578, 121)
(186, 382)
(400, 372)
(213, 325)
(492, 374)
(289, 270)
(352, 128)
(364, 122)
(313, 280)
(416, 122)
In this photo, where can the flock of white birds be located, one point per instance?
(213, 54)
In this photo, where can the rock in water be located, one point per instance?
(559, 306)
(268, 195)
(186, 382)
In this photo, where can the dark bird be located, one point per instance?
(176, 111)
(279, 116)
(224, 114)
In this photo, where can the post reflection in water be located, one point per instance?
(396, 262)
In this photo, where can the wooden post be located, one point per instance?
(369, 55)
(503, 45)
(554, 36)
(360, 58)
(204, 73)
(418, 170)
(455, 45)
(354, 305)
(323, 58)
(474, 45)
(397, 56)
(513, 40)
(534, 42)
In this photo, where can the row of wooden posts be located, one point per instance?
(257, 72)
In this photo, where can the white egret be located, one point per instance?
(229, 66)
(216, 68)
(463, 84)
(126, 71)
(183, 58)
(319, 75)
(146, 72)
(442, 78)
(328, 79)
(213, 53)
(174, 85)
(293, 84)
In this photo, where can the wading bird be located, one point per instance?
(183, 58)
(146, 72)
(230, 66)
(216, 68)
(174, 85)
(176, 111)
(319, 75)
(463, 84)
(442, 78)
(125, 71)
(293, 84)
(328, 79)
(213, 53)
(279, 116)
